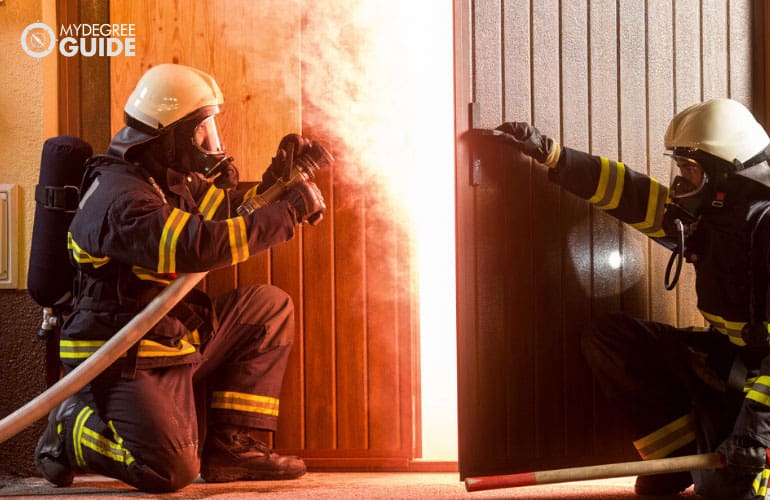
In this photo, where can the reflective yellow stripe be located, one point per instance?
(193, 337)
(251, 193)
(760, 390)
(604, 178)
(177, 220)
(668, 438)
(103, 446)
(760, 483)
(653, 221)
(83, 257)
(732, 329)
(211, 201)
(128, 458)
(620, 180)
(78, 349)
(82, 349)
(240, 401)
(151, 349)
(148, 275)
(77, 435)
(239, 243)
(610, 187)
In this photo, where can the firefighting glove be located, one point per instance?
(526, 139)
(227, 177)
(291, 146)
(307, 201)
(743, 455)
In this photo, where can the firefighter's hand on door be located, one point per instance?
(525, 138)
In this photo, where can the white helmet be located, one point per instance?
(723, 128)
(708, 142)
(175, 104)
(169, 92)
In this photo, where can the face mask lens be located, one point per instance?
(687, 177)
(206, 137)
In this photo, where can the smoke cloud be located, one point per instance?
(377, 79)
(360, 86)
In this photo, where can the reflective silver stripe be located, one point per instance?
(652, 225)
(610, 187)
(176, 221)
(250, 403)
(760, 390)
(82, 349)
(239, 243)
(83, 257)
(211, 201)
(667, 439)
(732, 329)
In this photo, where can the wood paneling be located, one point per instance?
(603, 76)
(84, 107)
(347, 397)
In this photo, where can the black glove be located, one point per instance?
(527, 139)
(308, 202)
(291, 146)
(228, 177)
(743, 455)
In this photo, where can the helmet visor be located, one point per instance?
(687, 177)
(206, 137)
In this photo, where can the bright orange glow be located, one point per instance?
(381, 71)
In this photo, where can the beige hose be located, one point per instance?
(642, 467)
(95, 364)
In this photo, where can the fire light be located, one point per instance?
(382, 73)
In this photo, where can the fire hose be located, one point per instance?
(637, 468)
(301, 168)
(126, 337)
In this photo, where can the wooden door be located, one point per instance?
(347, 396)
(534, 266)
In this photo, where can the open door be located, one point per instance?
(536, 265)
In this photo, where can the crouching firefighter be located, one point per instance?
(687, 390)
(188, 397)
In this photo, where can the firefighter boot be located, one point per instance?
(50, 456)
(669, 483)
(232, 454)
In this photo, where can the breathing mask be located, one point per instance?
(688, 187)
(198, 147)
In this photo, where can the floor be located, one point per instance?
(327, 485)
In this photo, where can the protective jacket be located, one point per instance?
(729, 269)
(129, 238)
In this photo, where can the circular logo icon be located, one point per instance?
(38, 40)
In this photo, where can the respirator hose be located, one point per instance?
(678, 255)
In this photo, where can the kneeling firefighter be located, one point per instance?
(161, 201)
(687, 390)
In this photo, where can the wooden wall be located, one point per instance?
(347, 397)
(534, 268)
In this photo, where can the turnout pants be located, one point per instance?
(666, 381)
(145, 430)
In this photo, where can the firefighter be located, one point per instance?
(687, 390)
(188, 398)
